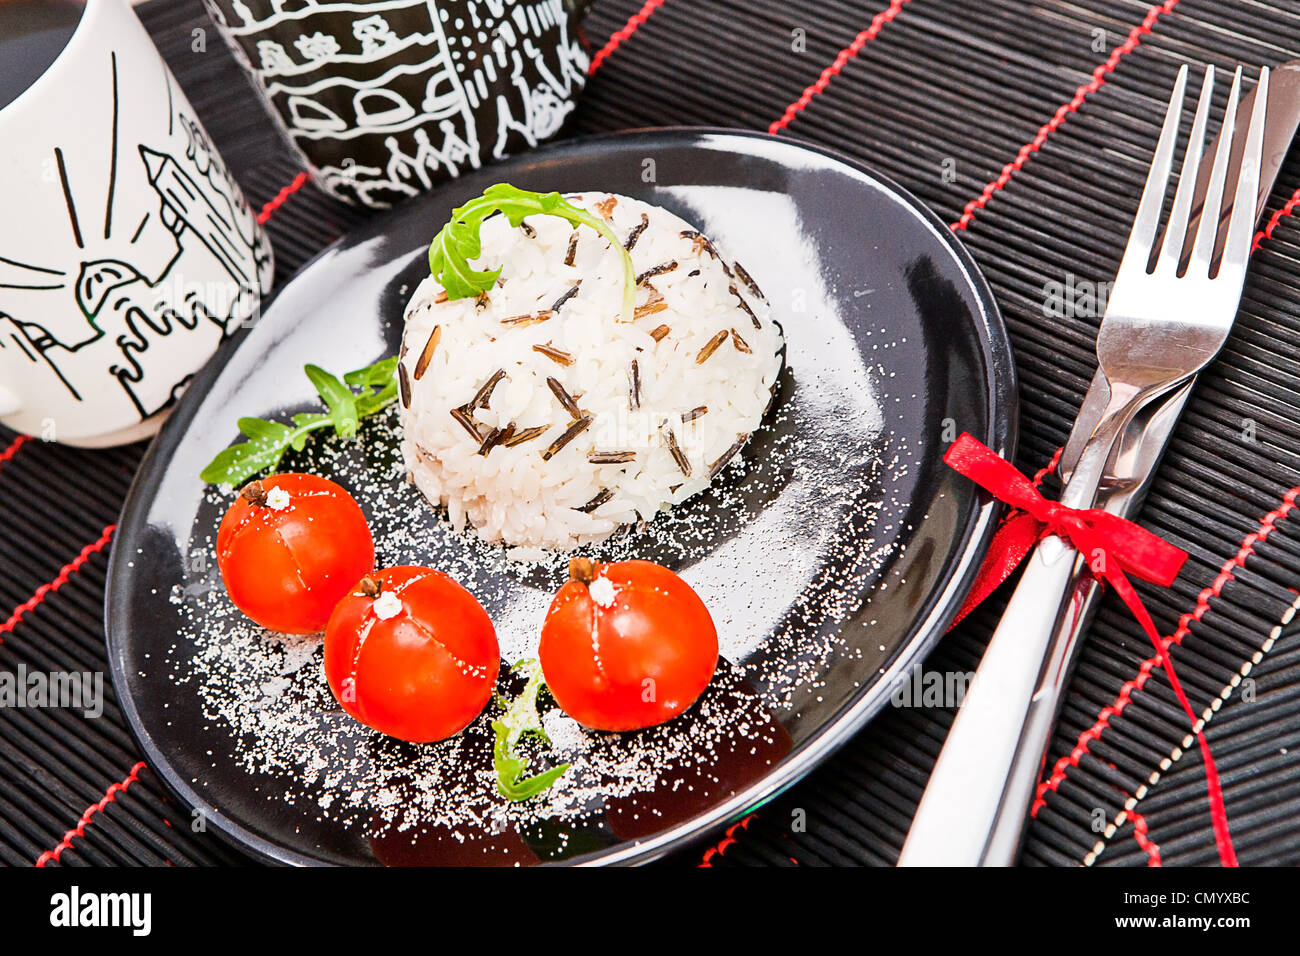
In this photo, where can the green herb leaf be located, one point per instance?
(338, 398)
(268, 441)
(240, 462)
(381, 373)
(259, 429)
(458, 241)
(521, 718)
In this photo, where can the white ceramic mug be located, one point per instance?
(127, 251)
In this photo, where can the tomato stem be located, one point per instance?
(583, 570)
(254, 493)
(371, 586)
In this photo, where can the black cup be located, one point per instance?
(387, 98)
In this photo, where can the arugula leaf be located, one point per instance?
(338, 398)
(458, 241)
(521, 718)
(268, 441)
(381, 373)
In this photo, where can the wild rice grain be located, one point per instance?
(711, 347)
(558, 356)
(611, 457)
(604, 496)
(426, 356)
(656, 271)
(635, 234)
(566, 400)
(745, 305)
(404, 385)
(495, 437)
(679, 456)
(574, 430)
(727, 455)
(528, 318)
(518, 438)
(467, 422)
(746, 278)
(694, 413)
(573, 290)
(741, 344)
(484, 394)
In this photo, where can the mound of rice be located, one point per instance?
(546, 421)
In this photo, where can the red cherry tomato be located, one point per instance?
(626, 645)
(412, 654)
(289, 547)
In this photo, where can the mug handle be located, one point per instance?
(9, 402)
(578, 9)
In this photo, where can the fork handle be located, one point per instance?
(973, 809)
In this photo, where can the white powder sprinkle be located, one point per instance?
(603, 591)
(565, 733)
(387, 605)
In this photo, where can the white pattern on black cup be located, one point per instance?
(388, 98)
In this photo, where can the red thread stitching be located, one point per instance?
(1099, 75)
(633, 24)
(1267, 231)
(1145, 842)
(726, 841)
(302, 179)
(80, 829)
(849, 52)
(1226, 573)
(12, 450)
(64, 573)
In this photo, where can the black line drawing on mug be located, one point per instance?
(130, 292)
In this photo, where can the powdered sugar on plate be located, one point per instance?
(783, 548)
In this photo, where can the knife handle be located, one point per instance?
(973, 810)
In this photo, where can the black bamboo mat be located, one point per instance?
(1029, 126)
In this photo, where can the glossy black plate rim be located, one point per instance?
(1003, 407)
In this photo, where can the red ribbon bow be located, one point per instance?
(1115, 547)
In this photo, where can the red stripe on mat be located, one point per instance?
(269, 210)
(634, 23)
(725, 842)
(80, 829)
(61, 579)
(1151, 848)
(849, 52)
(13, 448)
(1277, 217)
(1099, 75)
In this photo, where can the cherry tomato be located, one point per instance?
(412, 654)
(289, 547)
(626, 645)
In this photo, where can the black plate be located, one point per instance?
(835, 556)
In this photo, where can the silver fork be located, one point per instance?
(1159, 330)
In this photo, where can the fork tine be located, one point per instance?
(1142, 238)
(1176, 230)
(1241, 227)
(1209, 227)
